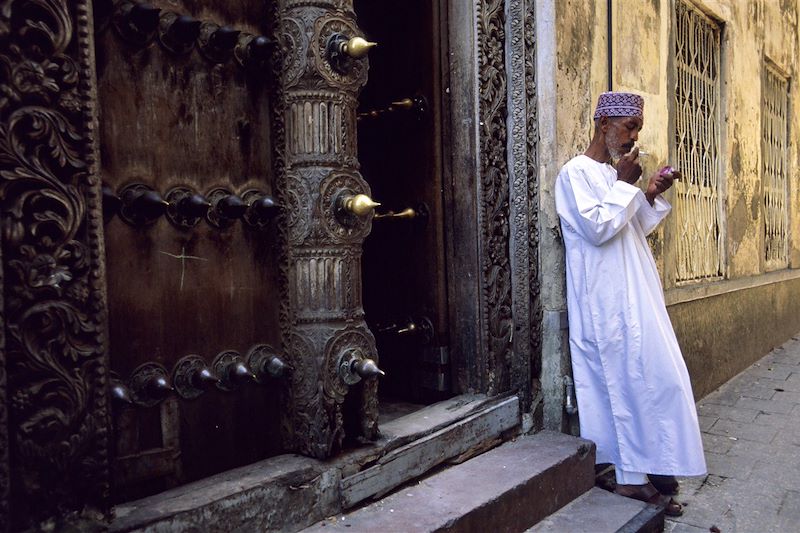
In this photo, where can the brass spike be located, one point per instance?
(360, 204)
(357, 47)
(405, 103)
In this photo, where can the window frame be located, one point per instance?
(673, 256)
(769, 67)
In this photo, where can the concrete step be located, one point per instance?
(600, 511)
(509, 488)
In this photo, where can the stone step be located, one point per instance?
(600, 511)
(509, 488)
(287, 492)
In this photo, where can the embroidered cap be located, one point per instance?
(614, 104)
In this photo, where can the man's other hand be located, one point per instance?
(628, 168)
(659, 182)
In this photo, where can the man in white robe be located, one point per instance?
(634, 395)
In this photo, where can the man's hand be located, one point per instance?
(628, 168)
(660, 182)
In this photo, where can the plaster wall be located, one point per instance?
(570, 69)
(719, 330)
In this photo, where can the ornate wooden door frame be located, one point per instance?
(492, 87)
(54, 419)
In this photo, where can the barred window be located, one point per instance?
(697, 205)
(774, 172)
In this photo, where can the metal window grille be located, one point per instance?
(774, 171)
(697, 206)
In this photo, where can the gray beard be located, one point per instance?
(615, 154)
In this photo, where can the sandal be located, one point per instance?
(666, 485)
(649, 494)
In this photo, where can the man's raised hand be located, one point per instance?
(628, 168)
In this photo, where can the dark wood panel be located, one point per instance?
(169, 120)
(180, 117)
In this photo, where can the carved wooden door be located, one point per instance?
(191, 259)
(400, 154)
(180, 327)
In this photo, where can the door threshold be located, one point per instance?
(389, 410)
(289, 492)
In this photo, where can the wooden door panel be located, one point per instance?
(169, 120)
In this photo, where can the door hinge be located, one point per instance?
(436, 368)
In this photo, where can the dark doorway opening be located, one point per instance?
(400, 144)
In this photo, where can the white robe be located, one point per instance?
(634, 395)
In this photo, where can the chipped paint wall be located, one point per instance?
(642, 48)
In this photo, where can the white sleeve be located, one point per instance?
(596, 218)
(651, 216)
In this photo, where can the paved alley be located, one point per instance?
(751, 435)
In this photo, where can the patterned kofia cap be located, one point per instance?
(614, 104)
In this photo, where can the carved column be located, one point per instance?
(508, 208)
(533, 178)
(323, 316)
(494, 190)
(523, 198)
(54, 440)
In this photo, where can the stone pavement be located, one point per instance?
(751, 435)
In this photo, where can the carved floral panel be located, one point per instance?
(53, 295)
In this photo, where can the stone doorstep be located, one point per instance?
(600, 511)
(474, 434)
(508, 488)
(290, 492)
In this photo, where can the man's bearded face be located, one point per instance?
(622, 134)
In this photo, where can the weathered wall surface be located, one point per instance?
(722, 328)
(571, 67)
(721, 335)
(581, 55)
(742, 177)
